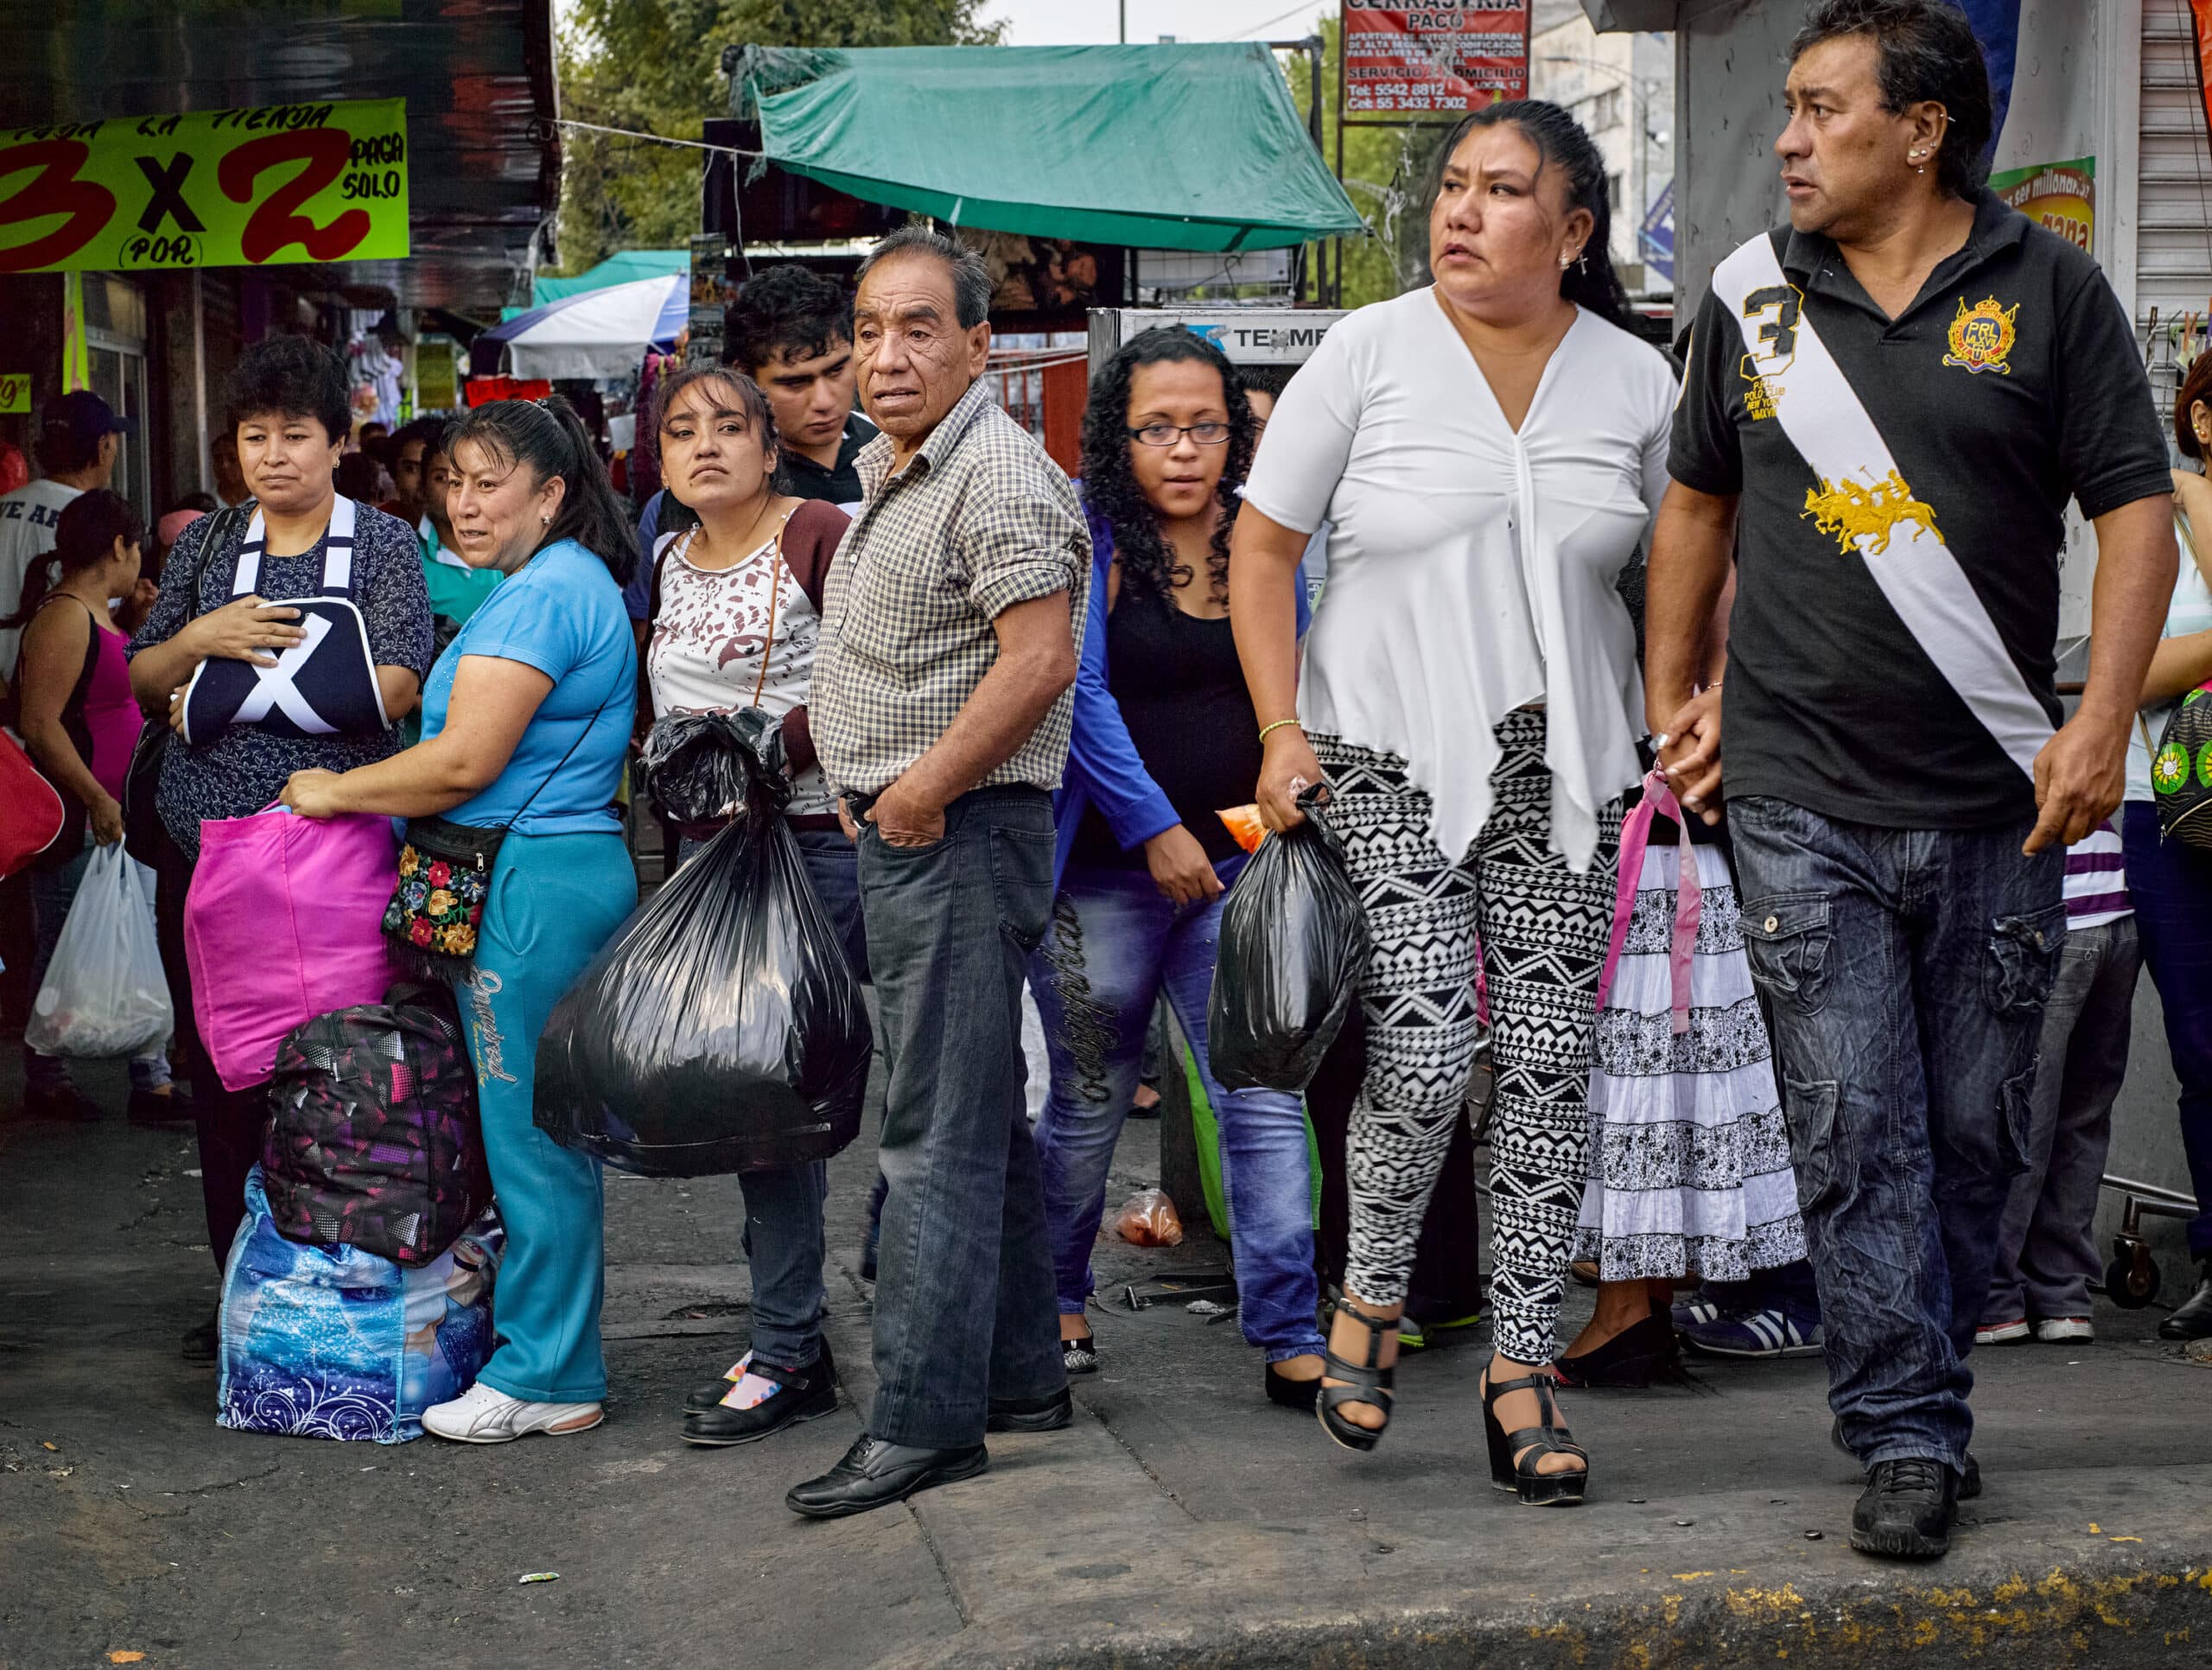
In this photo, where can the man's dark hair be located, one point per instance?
(786, 310)
(1928, 55)
(430, 431)
(289, 377)
(971, 279)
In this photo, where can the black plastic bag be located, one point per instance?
(700, 767)
(1293, 945)
(722, 1029)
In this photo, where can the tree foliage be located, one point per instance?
(1386, 173)
(655, 66)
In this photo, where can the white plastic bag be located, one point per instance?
(104, 993)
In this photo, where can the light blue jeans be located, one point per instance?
(1117, 945)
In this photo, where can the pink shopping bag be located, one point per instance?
(283, 923)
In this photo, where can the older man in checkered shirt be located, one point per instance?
(941, 706)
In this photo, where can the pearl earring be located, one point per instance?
(1565, 262)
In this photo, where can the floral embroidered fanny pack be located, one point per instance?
(445, 879)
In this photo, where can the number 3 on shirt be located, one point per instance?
(1780, 334)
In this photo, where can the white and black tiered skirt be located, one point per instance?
(1689, 1158)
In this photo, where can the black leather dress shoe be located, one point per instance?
(805, 1394)
(2192, 1318)
(1044, 1415)
(874, 1474)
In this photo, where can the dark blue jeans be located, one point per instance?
(1906, 970)
(782, 1238)
(2171, 882)
(964, 1290)
(1116, 945)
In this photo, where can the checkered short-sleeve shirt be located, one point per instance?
(980, 520)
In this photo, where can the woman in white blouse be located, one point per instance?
(1488, 453)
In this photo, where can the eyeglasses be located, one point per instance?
(1166, 435)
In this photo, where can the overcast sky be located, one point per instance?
(1070, 23)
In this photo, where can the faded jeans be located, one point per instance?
(2046, 1255)
(1115, 945)
(964, 1288)
(1906, 971)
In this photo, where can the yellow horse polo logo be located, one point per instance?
(1853, 512)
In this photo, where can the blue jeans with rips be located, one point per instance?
(963, 1287)
(1116, 945)
(1906, 970)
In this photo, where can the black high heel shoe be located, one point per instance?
(1514, 1455)
(1367, 1383)
(1630, 1360)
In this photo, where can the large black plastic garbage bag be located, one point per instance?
(1293, 945)
(722, 1030)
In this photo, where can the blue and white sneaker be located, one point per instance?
(1700, 1307)
(1778, 1330)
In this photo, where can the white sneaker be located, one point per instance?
(2057, 1330)
(2001, 1333)
(481, 1415)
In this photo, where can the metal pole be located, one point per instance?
(1125, 22)
(1335, 298)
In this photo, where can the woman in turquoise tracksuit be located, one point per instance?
(525, 721)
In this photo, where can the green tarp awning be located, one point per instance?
(621, 268)
(1165, 147)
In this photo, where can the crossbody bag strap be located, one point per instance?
(590, 725)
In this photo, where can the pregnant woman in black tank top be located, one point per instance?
(1165, 739)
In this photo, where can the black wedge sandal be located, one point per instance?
(1366, 1383)
(1514, 1455)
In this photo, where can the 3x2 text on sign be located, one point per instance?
(270, 185)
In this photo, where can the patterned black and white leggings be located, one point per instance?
(1543, 936)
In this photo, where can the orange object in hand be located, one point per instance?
(1245, 824)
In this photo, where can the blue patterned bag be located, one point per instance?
(335, 1343)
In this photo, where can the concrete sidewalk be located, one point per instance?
(1183, 1520)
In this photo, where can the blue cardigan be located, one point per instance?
(1103, 769)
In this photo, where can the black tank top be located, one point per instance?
(1181, 691)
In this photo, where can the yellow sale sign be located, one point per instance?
(278, 184)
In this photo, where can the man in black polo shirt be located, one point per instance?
(1888, 403)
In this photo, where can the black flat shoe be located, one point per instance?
(1045, 1414)
(1299, 1394)
(1514, 1455)
(64, 1102)
(708, 1395)
(153, 1107)
(875, 1474)
(1079, 1357)
(1906, 1510)
(807, 1394)
(1365, 1381)
(2192, 1317)
(1629, 1359)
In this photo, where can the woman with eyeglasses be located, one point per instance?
(1164, 740)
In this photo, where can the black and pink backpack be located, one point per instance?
(373, 1140)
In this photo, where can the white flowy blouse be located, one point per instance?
(1471, 570)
